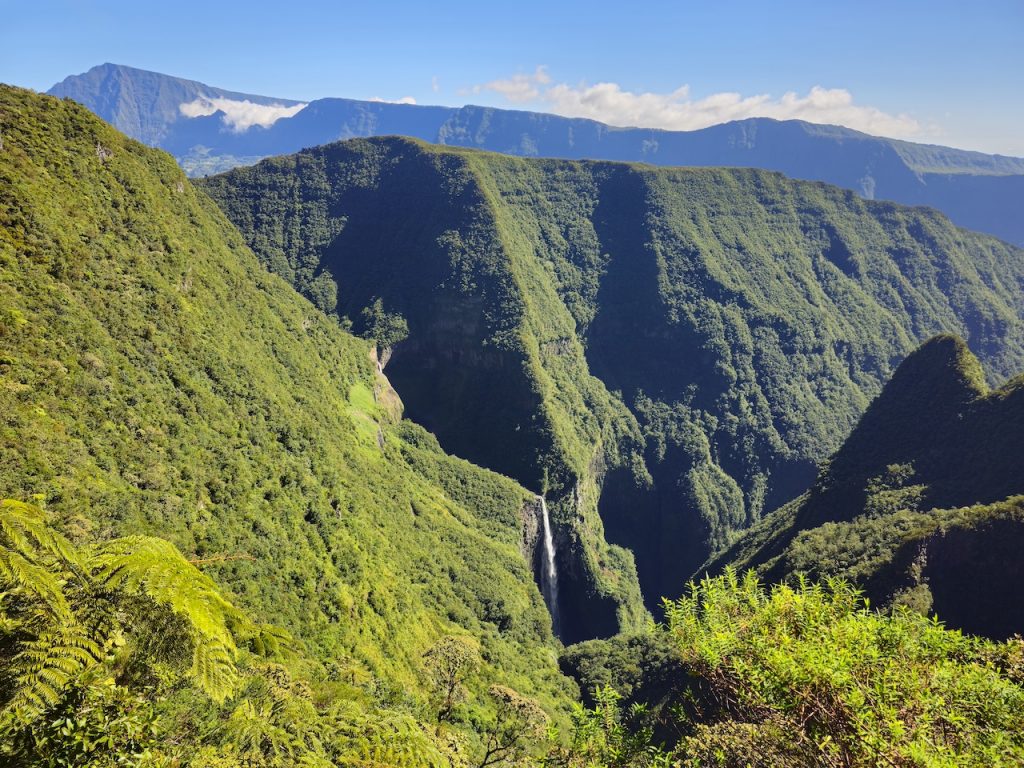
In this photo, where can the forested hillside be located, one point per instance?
(675, 349)
(221, 546)
(922, 504)
(156, 380)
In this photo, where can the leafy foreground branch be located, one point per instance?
(122, 653)
(810, 676)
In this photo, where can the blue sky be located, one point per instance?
(945, 72)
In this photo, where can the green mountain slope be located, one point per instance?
(155, 379)
(922, 504)
(678, 348)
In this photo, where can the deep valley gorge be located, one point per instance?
(549, 305)
(353, 433)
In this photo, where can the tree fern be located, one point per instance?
(24, 528)
(65, 611)
(156, 569)
(252, 730)
(266, 639)
(46, 665)
(275, 722)
(27, 550)
(387, 739)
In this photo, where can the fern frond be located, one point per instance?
(67, 605)
(267, 640)
(393, 740)
(46, 665)
(213, 668)
(24, 528)
(252, 729)
(18, 573)
(156, 569)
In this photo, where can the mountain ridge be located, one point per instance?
(155, 379)
(982, 192)
(922, 500)
(675, 347)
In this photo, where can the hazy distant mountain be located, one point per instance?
(978, 191)
(147, 105)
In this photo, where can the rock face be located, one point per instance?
(665, 354)
(530, 529)
(975, 577)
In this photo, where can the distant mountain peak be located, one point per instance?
(978, 191)
(148, 106)
(942, 371)
(917, 410)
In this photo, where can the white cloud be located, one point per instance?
(403, 100)
(435, 84)
(239, 116)
(518, 88)
(676, 110)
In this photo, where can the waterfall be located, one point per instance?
(548, 571)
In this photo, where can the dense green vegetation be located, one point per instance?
(223, 547)
(677, 347)
(88, 633)
(856, 687)
(491, 365)
(807, 675)
(155, 380)
(921, 504)
(122, 652)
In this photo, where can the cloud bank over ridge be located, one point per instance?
(677, 110)
(239, 116)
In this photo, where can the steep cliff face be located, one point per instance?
(665, 353)
(962, 565)
(922, 503)
(974, 576)
(156, 379)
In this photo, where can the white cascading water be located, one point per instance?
(548, 571)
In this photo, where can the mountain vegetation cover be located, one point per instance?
(922, 504)
(224, 547)
(667, 353)
(155, 380)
